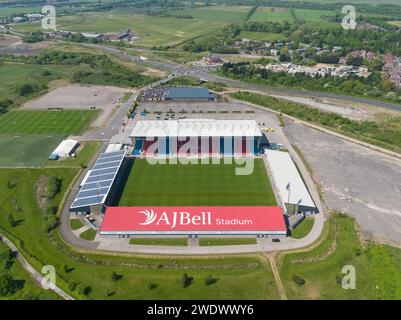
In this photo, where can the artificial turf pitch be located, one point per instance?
(200, 184)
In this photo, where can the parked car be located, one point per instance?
(275, 240)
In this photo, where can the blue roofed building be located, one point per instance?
(188, 94)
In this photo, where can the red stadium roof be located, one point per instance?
(193, 220)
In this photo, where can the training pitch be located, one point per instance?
(46, 122)
(196, 184)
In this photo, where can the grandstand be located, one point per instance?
(196, 137)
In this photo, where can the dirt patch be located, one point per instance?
(40, 191)
(26, 49)
(154, 73)
(7, 41)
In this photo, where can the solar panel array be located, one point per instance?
(96, 187)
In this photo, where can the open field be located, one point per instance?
(268, 14)
(246, 277)
(14, 75)
(77, 96)
(152, 30)
(378, 272)
(64, 122)
(26, 149)
(211, 184)
(7, 11)
(26, 288)
(260, 36)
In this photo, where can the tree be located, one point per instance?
(210, 280)
(12, 222)
(186, 280)
(298, 280)
(6, 284)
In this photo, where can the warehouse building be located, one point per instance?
(65, 149)
(189, 94)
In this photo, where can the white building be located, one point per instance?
(65, 149)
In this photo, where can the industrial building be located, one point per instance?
(196, 137)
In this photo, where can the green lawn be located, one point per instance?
(160, 241)
(26, 149)
(268, 14)
(225, 241)
(303, 228)
(76, 224)
(89, 234)
(64, 122)
(245, 277)
(25, 287)
(378, 268)
(203, 184)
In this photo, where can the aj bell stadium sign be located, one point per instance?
(193, 220)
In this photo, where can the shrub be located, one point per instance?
(210, 280)
(298, 280)
(186, 280)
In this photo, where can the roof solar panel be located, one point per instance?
(106, 165)
(95, 173)
(97, 186)
(93, 192)
(111, 159)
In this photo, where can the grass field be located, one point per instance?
(26, 149)
(13, 75)
(225, 241)
(245, 277)
(76, 224)
(89, 234)
(378, 268)
(7, 11)
(211, 184)
(303, 228)
(26, 288)
(268, 14)
(152, 30)
(160, 241)
(64, 122)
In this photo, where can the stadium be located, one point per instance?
(180, 178)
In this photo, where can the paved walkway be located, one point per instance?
(34, 274)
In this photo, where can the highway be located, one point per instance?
(202, 73)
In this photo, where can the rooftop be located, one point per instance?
(196, 128)
(189, 93)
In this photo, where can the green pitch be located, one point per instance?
(211, 184)
(26, 150)
(46, 122)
